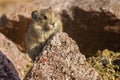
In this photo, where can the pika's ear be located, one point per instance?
(34, 14)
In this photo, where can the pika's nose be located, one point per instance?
(46, 28)
(34, 14)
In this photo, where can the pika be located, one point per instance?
(44, 24)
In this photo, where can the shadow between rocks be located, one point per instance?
(14, 30)
(92, 30)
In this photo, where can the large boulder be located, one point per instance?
(61, 59)
(7, 69)
(18, 61)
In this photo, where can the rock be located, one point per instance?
(116, 62)
(61, 59)
(93, 24)
(16, 58)
(7, 69)
(86, 21)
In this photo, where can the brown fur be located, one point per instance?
(45, 23)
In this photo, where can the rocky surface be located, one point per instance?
(7, 69)
(16, 58)
(86, 21)
(93, 24)
(61, 59)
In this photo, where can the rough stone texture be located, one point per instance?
(93, 24)
(17, 58)
(61, 59)
(87, 5)
(7, 70)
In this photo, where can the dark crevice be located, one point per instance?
(92, 30)
(14, 30)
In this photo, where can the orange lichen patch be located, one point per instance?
(43, 59)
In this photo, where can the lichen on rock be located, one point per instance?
(18, 59)
(61, 59)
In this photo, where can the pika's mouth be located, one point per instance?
(46, 28)
(49, 27)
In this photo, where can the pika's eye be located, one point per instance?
(44, 17)
(34, 15)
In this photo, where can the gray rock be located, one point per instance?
(18, 59)
(116, 62)
(7, 69)
(61, 59)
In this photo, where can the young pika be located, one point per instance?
(44, 24)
